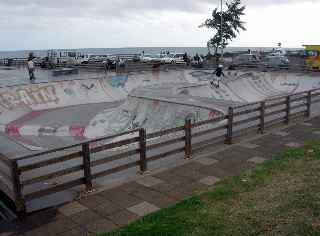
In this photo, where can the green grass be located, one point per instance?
(279, 197)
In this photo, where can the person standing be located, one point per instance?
(185, 57)
(30, 66)
(197, 58)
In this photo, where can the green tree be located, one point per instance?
(231, 24)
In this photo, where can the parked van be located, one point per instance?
(276, 61)
(245, 59)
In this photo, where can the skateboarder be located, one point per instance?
(218, 74)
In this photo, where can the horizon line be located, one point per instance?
(46, 49)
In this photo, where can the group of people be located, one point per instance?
(187, 59)
(215, 81)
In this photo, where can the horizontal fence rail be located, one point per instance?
(38, 175)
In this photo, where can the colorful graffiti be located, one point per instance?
(119, 81)
(29, 96)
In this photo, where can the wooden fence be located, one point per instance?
(81, 164)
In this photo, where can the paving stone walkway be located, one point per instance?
(119, 206)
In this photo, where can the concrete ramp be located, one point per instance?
(43, 96)
(249, 87)
(208, 103)
(40, 109)
(76, 110)
(153, 114)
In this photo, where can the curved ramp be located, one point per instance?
(254, 86)
(152, 114)
(18, 100)
(90, 108)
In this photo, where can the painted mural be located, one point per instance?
(45, 96)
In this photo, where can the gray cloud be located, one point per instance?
(112, 8)
(70, 20)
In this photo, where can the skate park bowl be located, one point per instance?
(61, 138)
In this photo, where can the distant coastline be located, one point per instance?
(131, 50)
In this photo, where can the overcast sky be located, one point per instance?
(42, 24)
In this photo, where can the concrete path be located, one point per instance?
(118, 206)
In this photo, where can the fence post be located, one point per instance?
(262, 114)
(229, 127)
(143, 150)
(287, 120)
(309, 101)
(17, 189)
(87, 166)
(188, 136)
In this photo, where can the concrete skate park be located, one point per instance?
(65, 137)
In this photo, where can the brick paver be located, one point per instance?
(299, 131)
(123, 217)
(271, 145)
(107, 210)
(92, 201)
(178, 194)
(100, 226)
(257, 160)
(78, 231)
(206, 161)
(293, 145)
(143, 209)
(163, 187)
(236, 153)
(281, 133)
(72, 208)
(146, 194)
(216, 171)
(149, 181)
(121, 198)
(210, 180)
(248, 145)
(85, 217)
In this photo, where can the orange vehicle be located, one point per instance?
(313, 57)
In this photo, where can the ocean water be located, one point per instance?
(129, 50)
